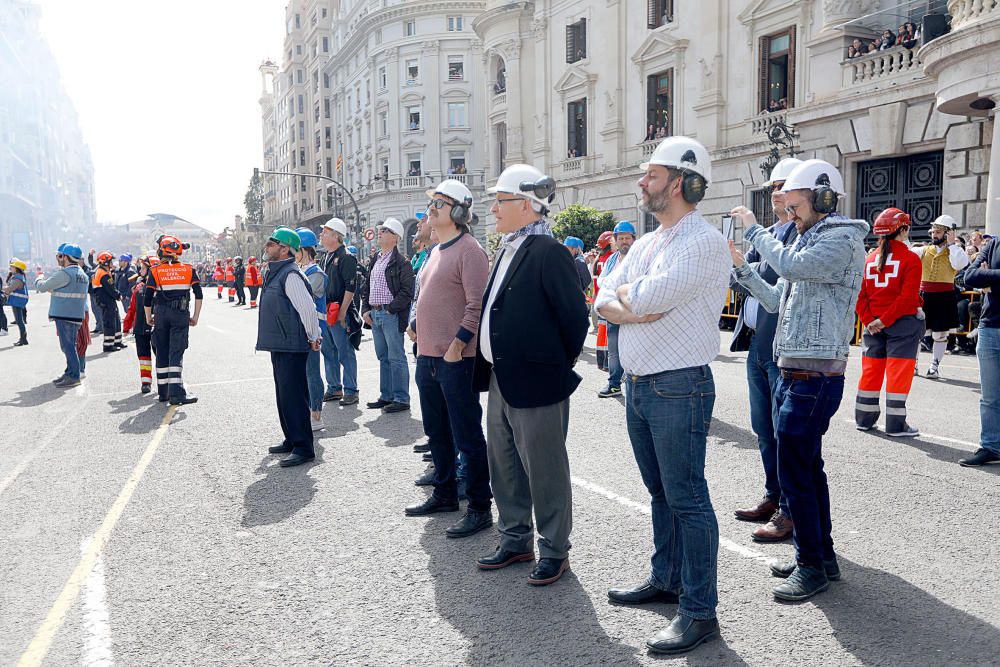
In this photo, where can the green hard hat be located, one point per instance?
(286, 236)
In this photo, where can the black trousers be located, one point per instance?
(253, 294)
(292, 393)
(170, 339)
(3, 319)
(111, 324)
(241, 295)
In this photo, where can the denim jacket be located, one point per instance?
(820, 277)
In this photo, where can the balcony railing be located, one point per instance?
(500, 100)
(763, 123)
(413, 181)
(964, 12)
(577, 166)
(882, 65)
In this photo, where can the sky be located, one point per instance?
(167, 92)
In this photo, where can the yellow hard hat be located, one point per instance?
(18, 264)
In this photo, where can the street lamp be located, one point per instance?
(331, 183)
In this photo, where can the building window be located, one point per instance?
(649, 223)
(300, 76)
(411, 28)
(302, 163)
(326, 80)
(327, 135)
(383, 81)
(576, 121)
(329, 167)
(413, 118)
(326, 107)
(383, 124)
(298, 21)
(326, 45)
(659, 13)
(777, 71)
(576, 41)
(414, 164)
(298, 49)
(324, 12)
(456, 68)
(501, 147)
(454, 24)
(500, 86)
(456, 114)
(302, 130)
(412, 71)
(301, 103)
(456, 162)
(384, 167)
(660, 105)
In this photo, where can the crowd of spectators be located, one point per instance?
(907, 36)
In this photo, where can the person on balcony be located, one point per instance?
(888, 40)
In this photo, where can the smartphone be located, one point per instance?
(727, 227)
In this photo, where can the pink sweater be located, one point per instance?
(452, 283)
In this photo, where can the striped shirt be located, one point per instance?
(682, 272)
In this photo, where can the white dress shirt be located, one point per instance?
(503, 263)
(685, 278)
(304, 305)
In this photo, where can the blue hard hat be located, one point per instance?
(624, 227)
(61, 249)
(71, 250)
(352, 249)
(125, 258)
(573, 242)
(307, 237)
(420, 216)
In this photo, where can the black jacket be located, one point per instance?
(538, 324)
(342, 271)
(399, 278)
(239, 275)
(985, 272)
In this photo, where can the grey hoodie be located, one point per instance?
(817, 290)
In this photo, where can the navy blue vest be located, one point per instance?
(279, 328)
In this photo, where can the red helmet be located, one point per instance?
(604, 240)
(889, 221)
(170, 246)
(150, 260)
(252, 260)
(104, 257)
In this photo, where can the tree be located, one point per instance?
(583, 222)
(253, 201)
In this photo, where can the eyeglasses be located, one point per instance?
(499, 201)
(437, 204)
(790, 209)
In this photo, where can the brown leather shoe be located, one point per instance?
(779, 528)
(762, 512)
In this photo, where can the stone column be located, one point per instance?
(993, 184)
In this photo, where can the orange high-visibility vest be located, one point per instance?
(230, 276)
(253, 276)
(173, 277)
(99, 276)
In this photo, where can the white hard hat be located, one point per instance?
(394, 226)
(813, 174)
(516, 180)
(336, 225)
(781, 170)
(454, 189)
(945, 221)
(682, 153)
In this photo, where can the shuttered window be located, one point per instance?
(576, 41)
(576, 122)
(660, 105)
(776, 71)
(659, 13)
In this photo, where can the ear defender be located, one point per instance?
(824, 199)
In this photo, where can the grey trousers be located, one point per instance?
(529, 467)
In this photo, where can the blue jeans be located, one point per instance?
(337, 352)
(615, 370)
(394, 373)
(67, 343)
(315, 381)
(452, 418)
(988, 352)
(804, 409)
(762, 377)
(668, 415)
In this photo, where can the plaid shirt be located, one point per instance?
(380, 294)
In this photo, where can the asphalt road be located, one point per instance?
(135, 534)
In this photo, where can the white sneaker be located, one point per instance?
(317, 424)
(932, 373)
(4, 332)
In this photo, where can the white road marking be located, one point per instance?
(96, 619)
(216, 329)
(725, 543)
(42, 641)
(53, 434)
(933, 437)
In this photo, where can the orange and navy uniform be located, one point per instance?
(253, 276)
(173, 280)
(892, 296)
(172, 283)
(104, 286)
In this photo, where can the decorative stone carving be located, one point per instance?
(539, 26)
(837, 12)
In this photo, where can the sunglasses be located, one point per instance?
(437, 204)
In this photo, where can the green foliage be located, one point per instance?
(493, 242)
(583, 222)
(253, 201)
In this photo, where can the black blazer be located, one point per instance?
(538, 324)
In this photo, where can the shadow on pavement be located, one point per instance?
(932, 449)
(32, 398)
(965, 384)
(280, 493)
(130, 404)
(398, 430)
(741, 437)
(506, 621)
(339, 421)
(722, 358)
(149, 419)
(883, 619)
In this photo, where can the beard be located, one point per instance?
(656, 203)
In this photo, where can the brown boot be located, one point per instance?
(762, 512)
(777, 529)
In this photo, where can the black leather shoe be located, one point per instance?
(548, 571)
(295, 460)
(641, 594)
(378, 405)
(395, 406)
(803, 583)
(422, 447)
(470, 524)
(426, 479)
(184, 400)
(431, 506)
(280, 449)
(427, 457)
(683, 634)
(784, 570)
(980, 458)
(145, 389)
(502, 558)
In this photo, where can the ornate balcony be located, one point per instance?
(763, 123)
(883, 68)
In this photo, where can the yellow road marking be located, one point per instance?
(42, 641)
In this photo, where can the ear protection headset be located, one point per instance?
(824, 198)
(693, 184)
(544, 189)
(461, 212)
